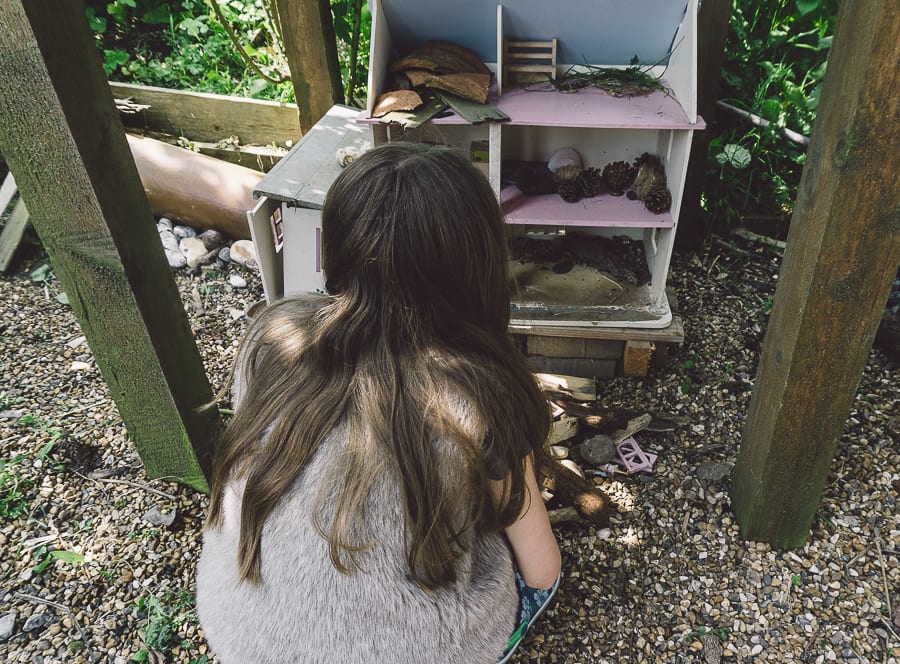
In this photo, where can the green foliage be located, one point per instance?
(775, 60)
(352, 27)
(721, 632)
(166, 615)
(181, 45)
(13, 499)
(184, 45)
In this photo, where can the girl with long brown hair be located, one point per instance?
(375, 497)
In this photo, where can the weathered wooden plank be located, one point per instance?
(61, 135)
(842, 253)
(311, 49)
(673, 333)
(582, 389)
(574, 347)
(12, 232)
(575, 366)
(562, 429)
(7, 191)
(208, 117)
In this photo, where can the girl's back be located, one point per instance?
(306, 611)
(359, 495)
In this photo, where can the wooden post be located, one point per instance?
(62, 137)
(841, 256)
(311, 48)
(712, 30)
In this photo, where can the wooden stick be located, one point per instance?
(563, 515)
(55, 605)
(133, 485)
(887, 588)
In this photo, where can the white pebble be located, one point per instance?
(182, 232)
(237, 281)
(244, 253)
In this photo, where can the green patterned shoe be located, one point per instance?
(533, 601)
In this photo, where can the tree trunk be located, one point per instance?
(311, 49)
(842, 253)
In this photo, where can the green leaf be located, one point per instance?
(62, 298)
(806, 6)
(141, 655)
(68, 556)
(158, 16)
(43, 272)
(97, 23)
(257, 85)
(734, 155)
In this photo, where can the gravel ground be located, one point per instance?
(97, 561)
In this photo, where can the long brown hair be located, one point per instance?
(414, 250)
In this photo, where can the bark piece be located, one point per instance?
(396, 100)
(442, 58)
(473, 87)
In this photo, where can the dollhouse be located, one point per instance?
(558, 40)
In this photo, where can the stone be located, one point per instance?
(174, 256)
(212, 239)
(164, 224)
(712, 649)
(155, 516)
(7, 625)
(182, 232)
(598, 451)
(713, 471)
(237, 281)
(225, 254)
(193, 250)
(37, 621)
(244, 253)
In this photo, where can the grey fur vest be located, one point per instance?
(307, 611)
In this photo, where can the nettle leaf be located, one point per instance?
(806, 6)
(734, 155)
(68, 556)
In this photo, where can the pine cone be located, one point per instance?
(650, 174)
(591, 182)
(618, 175)
(647, 158)
(658, 199)
(567, 183)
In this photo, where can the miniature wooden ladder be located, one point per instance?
(529, 61)
(15, 226)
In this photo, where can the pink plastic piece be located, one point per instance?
(632, 458)
(556, 409)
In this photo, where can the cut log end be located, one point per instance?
(590, 503)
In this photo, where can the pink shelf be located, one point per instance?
(541, 106)
(603, 210)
